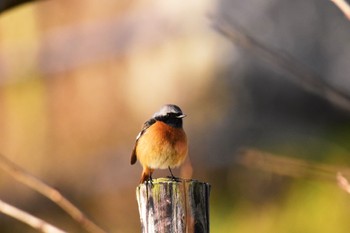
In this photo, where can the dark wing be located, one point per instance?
(145, 126)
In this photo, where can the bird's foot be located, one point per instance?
(149, 181)
(174, 178)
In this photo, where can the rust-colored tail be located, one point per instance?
(133, 156)
(146, 174)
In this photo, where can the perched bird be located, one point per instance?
(162, 142)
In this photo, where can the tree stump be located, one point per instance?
(178, 206)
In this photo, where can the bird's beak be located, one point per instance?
(181, 116)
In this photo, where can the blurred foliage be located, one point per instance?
(78, 79)
(309, 207)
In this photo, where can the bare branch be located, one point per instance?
(8, 4)
(293, 167)
(288, 166)
(54, 195)
(300, 74)
(343, 6)
(27, 218)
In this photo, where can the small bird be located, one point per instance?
(162, 142)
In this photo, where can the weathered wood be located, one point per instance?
(166, 205)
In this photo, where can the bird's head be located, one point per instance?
(171, 115)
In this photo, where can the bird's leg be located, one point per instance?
(172, 175)
(147, 176)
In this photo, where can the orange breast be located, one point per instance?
(162, 146)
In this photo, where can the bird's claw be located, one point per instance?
(177, 179)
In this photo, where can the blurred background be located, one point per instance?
(79, 78)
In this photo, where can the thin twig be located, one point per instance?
(343, 6)
(293, 167)
(54, 195)
(27, 218)
(9, 4)
(288, 166)
(300, 74)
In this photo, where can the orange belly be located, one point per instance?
(162, 146)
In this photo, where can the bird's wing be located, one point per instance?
(145, 126)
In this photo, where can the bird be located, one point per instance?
(161, 143)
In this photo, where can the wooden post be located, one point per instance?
(180, 206)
